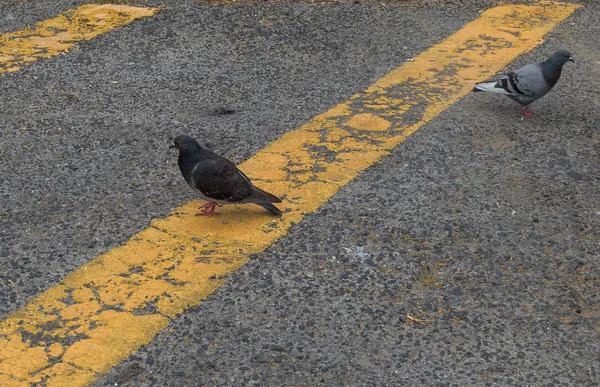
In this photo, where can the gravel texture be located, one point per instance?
(469, 256)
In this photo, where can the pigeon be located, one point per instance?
(530, 82)
(217, 180)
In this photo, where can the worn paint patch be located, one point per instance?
(54, 36)
(368, 121)
(108, 308)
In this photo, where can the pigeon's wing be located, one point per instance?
(526, 81)
(510, 84)
(219, 179)
(524, 85)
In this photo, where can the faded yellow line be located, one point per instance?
(108, 308)
(54, 36)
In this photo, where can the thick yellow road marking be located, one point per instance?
(108, 308)
(54, 36)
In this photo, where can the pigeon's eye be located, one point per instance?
(179, 142)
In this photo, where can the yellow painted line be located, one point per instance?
(54, 36)
(108, 308)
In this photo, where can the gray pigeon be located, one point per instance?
(217, 180)
(530, 82)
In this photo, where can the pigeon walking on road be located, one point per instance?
(530, 82)
(217, 180)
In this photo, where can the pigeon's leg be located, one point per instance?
(526, 112)
(209, 209)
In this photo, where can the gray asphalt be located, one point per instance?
(469, 256)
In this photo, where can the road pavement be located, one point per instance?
(469, 256)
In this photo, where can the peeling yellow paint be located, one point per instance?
(113, 339)
(368, 121)
(55, 350)
(63, 374)
(54, 36)
(77, 310)
(22, 360)
(340, 110)
(10, 380)
(108, 308)
(83, 295)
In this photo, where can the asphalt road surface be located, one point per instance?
(469, 256)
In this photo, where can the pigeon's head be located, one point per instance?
(562, 56)
(185, 144)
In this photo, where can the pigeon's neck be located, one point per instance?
(188, 160)
(551, 70)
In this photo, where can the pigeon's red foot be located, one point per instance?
(209, 209)
(527, 113)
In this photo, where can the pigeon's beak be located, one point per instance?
(172, 146)
(571, 59)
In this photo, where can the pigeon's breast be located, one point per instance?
(195, 184)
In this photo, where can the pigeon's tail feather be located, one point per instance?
(270, 207)
(264, 199)
(491, 87)
(260, 196)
